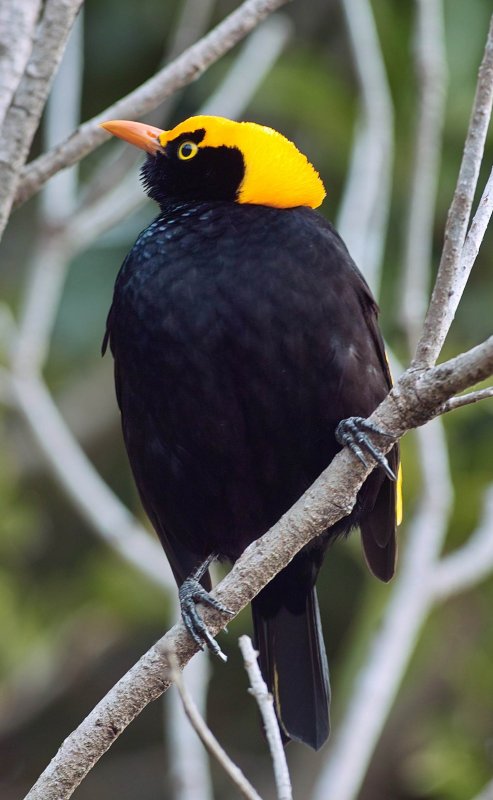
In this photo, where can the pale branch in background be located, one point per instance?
(52, 249)
(367, 191)
(61, 117)
(259, 54)
(419, 395)
(231, 98)
(452, 274)
(193, 19)
(120, 164)
(54, 666)
(64, 231)
(471, 563)
(188, 773)
(82, 484)
(431, 74)
(271, 726)
(17, 32)
(384, 665)
(206, 736)
(185, 69)
(416, 398)
(487, 793)
(30, 345)
(22, 117)
(385, 662)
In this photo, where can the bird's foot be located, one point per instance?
(192, 592)
(353, 433)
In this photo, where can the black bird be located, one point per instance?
(244, 336)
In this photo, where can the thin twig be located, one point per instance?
(185, 69)
(431, 73)
(477, 230)
(266, 707)
(188, 766)
(452, 273)
(467, 399)
(207, 737)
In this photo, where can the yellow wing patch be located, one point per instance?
(276, 172)
(398, 497)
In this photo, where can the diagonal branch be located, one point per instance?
(416, 398)
(186, 68)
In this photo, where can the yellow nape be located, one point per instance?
(276, 173)
(398, 497)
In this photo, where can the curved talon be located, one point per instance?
(352, 432)
(190, 593)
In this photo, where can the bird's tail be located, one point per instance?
(293, 662)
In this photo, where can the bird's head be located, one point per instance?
(213, 158)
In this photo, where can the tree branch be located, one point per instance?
(22, 118)
(188, 766)
(207, 737)
(186, 68)
(271, 726)
(380, 676)
(416, 398)
(82, 484)
(467, 399)
(453, 272)
(17, 31)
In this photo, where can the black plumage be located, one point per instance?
(242, 335)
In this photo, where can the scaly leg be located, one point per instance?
(192, 592)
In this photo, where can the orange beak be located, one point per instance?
(146, 137)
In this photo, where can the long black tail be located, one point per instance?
(288, 636)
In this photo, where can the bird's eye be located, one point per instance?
(187, 150)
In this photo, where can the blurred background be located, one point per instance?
(74, 613)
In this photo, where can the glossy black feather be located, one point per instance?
(242, 335)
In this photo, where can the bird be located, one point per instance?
(247, 353)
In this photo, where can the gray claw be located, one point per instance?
(352, 432)
(190, 593)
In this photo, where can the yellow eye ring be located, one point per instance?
(187, 150)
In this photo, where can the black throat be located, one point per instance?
(215, 173)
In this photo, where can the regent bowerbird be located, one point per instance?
(247, 353)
